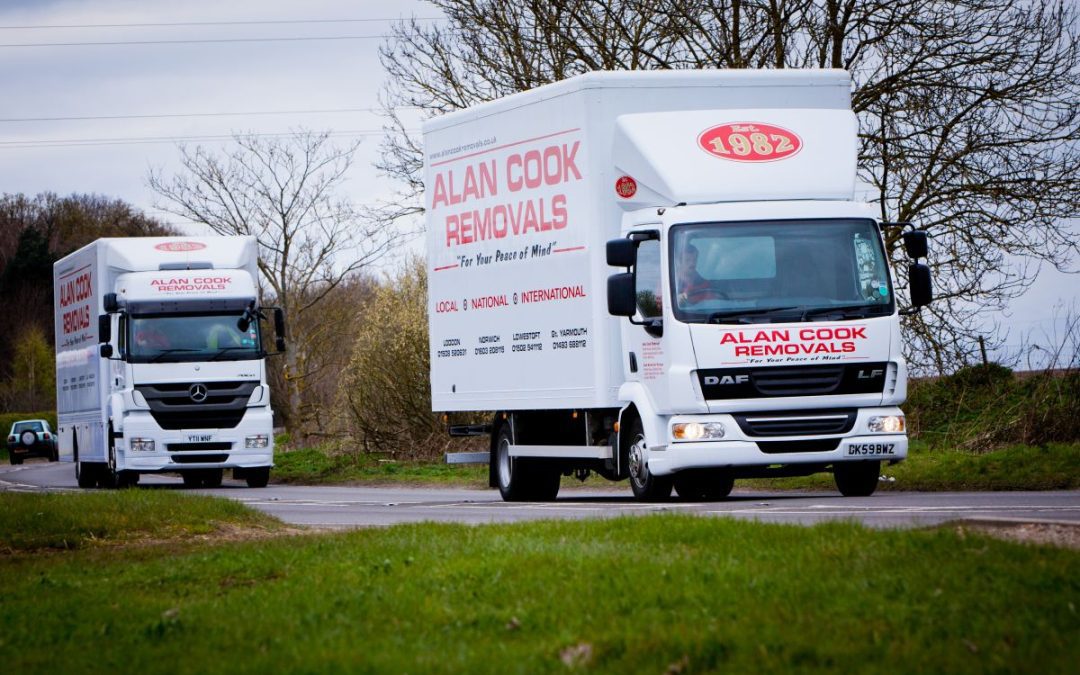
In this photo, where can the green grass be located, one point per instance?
(75, 520)
(313, 466)
(649, 594)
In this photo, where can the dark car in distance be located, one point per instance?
(31, 438)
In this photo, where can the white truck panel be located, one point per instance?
(523, 193)
(77, 289)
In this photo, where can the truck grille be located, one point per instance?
(809, 381)
(797, 423)
(769, 382)
(198, 405)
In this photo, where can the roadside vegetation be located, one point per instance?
(662, 593)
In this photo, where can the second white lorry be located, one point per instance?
(160, 365)
(666, 277)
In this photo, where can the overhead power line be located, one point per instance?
(193, 42)
(193, 114)
(135, 140)
(218, 23)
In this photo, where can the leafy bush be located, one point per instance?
(385, 390)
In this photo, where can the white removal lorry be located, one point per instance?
(753, 329)
(159, 361)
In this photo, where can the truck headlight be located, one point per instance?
(886, 424)
(697, 431)
(141, 444)
(259, 441)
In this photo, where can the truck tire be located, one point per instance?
(646, 486)
(212, 478)
(54, 455)
(857, 479)
(258, 477)
(119, 480)
(192, 479)
(704, 485)
(85, 475)
(520, 480)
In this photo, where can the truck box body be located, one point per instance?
(144, 392)
(754, 322)
(521, 197)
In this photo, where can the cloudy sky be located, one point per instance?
(95, 118)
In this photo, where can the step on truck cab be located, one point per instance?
(160, 365)
(666, 277)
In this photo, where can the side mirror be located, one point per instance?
(621, 300)
(279, 323)
(110, 303)
(104, 328)
(279, 329)
(106, 351)
(915, 244)
(621, 252)
(919, 284)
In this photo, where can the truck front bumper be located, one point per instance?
(740, 450)
(180, 450)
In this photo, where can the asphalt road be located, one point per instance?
(327, 506)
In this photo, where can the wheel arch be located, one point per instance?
(640, 405)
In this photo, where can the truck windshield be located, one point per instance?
(765, 271)
(190, 337)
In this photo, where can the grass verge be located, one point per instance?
(317, 465)
(75, 520)
(652, 594)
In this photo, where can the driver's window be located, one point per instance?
(647, 280)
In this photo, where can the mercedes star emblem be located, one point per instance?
(197, 393)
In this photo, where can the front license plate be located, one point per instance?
(871, 449)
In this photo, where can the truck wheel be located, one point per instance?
(54, 456)
(258, 477)
(119, 480)
(704, 485)
(520, 480)
(857, 479)
(85, 475)
(646, 486)
(212, 478)
(192, 479)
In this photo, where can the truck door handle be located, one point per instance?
(633, 362)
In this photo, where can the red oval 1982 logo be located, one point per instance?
(180, 246)
(750, 142)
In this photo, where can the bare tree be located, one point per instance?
(968, 110)
(286, 193)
